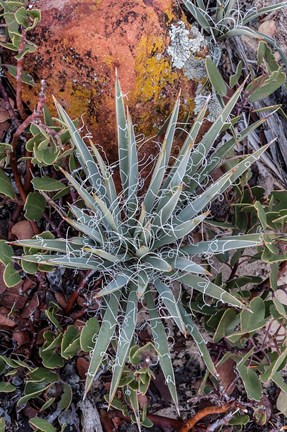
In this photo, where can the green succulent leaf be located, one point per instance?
(88, 334)
(6, 185)
(47, 184)
(66, 398)
(6, 387)
(34, 206)
(42, 425)
(250, 379)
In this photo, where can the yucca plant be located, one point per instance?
(223, 19)
(139, 240)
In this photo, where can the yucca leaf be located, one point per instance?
(83, 193)
(107, 215)
(108, 183)
(253, 15)
(60, 245)
(93, 233)
(119, 282)
(143, 282)
(104, 337)
(200, 15)
(206, 287)
(175, 179)
(162, 161)
(179, 231)
(133, 175)
(161, 344)
(126, 334)
(247, 31)
(86, 160)
(90, 222)
(229, 6)
(199, 203)
(189, 142)
(157, 263)
(166, 207)
(122, 132)
(199, 340)
(217, 157)
(170, 302)
(221, 245)
(106, 255)
(203, 148)
(188, 266)
(80, 263)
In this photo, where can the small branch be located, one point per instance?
(32, 117)
(190, 423)
(221, 422)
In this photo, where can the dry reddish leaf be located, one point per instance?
(30, 412)
(227, 375)
(14, 298)
(79, 324)
(82, 367)
(268, 28)
(6, 322)
(27, 285)
(61, 299)
(30, 306)
(21, 338)
(22, 230)
(4, 115)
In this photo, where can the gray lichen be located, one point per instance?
(213, 106)
(184, 44)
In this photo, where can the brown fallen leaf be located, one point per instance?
(22, 230)
(82, 366)
(14, 298)
(6, 322)
(21, 338)
(31, 306)
(268, 27)
(227, 375)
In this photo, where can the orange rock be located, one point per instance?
(80, 45)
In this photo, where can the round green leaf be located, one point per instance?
(34, 206)
(47, 184)
(5, 185)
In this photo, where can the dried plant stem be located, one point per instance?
(221, 422)
(190, 423)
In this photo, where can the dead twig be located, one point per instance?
(211, 410)
(221, 422)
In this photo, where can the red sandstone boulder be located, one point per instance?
(82, 42)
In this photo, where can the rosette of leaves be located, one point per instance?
(139, 239)
(224, 19)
